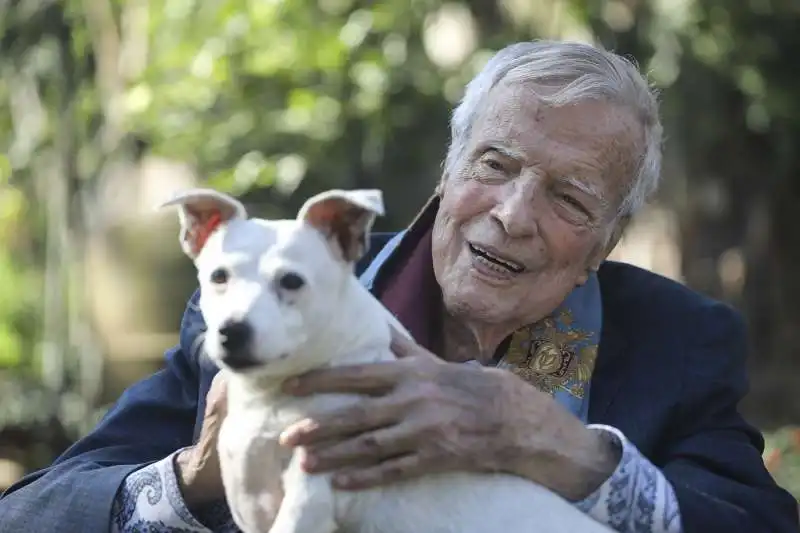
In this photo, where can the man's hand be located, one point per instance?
(197, 467)
(423, 415)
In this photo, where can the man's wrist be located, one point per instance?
(577, 466)
(195, 488)
(598, 466)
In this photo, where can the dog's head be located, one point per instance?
(267, 286)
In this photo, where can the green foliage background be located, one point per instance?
(277, 99)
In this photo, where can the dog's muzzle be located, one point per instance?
(236, 339)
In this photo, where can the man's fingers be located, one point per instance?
(402, 345)
(371, 379)
(217, 397)
(358, 418)
(219, 385)
(390, 471)
(366, 449)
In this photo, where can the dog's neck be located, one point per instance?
(359, 326)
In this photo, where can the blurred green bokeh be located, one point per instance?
(276, 100)
(782, 457)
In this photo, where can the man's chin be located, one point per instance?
(470, 302)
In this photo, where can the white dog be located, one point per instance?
(280, 298)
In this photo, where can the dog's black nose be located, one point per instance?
(236, 337)
(236, 334)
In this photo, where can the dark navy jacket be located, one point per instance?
(669, 375)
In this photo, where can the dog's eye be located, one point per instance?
(291, 281)
(220, 276)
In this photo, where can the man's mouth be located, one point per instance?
(495, 261)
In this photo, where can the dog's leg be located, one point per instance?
(307, 506)
(252, 482)
(254, 512)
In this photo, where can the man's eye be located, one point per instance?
(494, 165)
(574, 207)
(571, 201)
(220, 276)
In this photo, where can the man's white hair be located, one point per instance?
(580, 72)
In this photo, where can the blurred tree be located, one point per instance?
(277, 100)
(733, 122)
(743, 240)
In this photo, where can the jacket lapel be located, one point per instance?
(611, 368)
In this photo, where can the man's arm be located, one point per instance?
(712, 477)
(637, 497)
(715, 459)
(151, 420)
(150, 499)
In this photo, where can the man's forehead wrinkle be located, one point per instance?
(589, 141)
(584, 186)
(503, 131)
(504, 103)
(520, 102)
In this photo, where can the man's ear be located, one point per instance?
(201, 212)
(345, 218)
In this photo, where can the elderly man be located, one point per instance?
(613, 387)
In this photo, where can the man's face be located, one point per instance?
(531, 205)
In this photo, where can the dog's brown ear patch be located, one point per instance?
(201, 229)
(201, 212)
(345, 217)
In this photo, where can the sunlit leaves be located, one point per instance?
(227, 79)
(252, 169)
(5, 170)
(12, 208)
(782, 457)
(10, 345)
(18, 301)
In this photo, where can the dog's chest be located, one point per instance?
(251, 458)
(252, 425)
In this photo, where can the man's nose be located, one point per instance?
(516, 210)
(236, 338)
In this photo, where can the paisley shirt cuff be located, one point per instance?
(637, 498)
(150, 500)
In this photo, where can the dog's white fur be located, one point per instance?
(332, 320)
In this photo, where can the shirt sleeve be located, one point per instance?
(637, 498)
(150, 500)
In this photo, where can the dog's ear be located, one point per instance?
(201, 212)
(345, 217)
